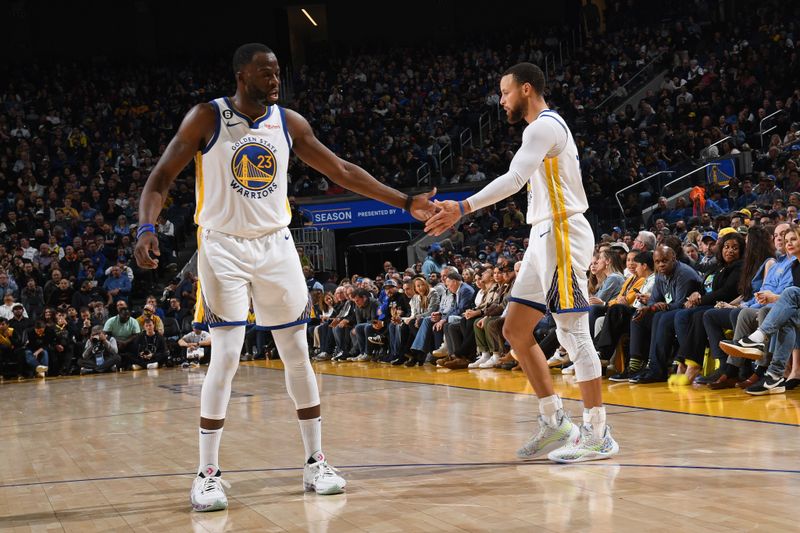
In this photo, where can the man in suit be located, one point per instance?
(464, 296)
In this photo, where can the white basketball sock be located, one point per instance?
(311, 431)
(549, 407)
(209, 448)
(596, 417)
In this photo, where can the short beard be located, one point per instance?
(256, 95)
(517, 114)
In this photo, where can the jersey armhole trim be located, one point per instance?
(285, 127)
(553, 116)
(216, 129)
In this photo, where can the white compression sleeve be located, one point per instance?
(226, 344)
(572, 330)
(301, 383)
(538, 140)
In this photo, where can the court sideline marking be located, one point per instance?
(424, 465)
(462, 387)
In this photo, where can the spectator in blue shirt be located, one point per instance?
(98, 258)
(680, 211)
(117, 285)
(87, 211)
(717, 204)
(433, 263)
(653, 326)
(748, 197)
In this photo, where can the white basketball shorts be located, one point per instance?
(553, 272)
(234, 270)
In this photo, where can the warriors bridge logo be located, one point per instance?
(254, 168)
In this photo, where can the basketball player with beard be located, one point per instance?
(553, 274)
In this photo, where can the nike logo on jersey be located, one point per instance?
(231, 124)
(545, 233)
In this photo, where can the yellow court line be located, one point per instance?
(696, 400)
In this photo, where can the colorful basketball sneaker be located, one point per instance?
(549, 438)
(586, 448)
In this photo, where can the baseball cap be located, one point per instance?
(617, 229)
(710, 235)
(390, 283)
(745, 213)
(317, 286)
(725, 231)
(621, 245)
(17, 305)
(743, 230)
(435, 247)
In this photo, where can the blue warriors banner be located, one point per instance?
(721, 172)
(361, 213)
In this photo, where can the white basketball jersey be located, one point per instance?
(555, 190)
(241, 174)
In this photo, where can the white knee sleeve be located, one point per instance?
(572, 330)
(226, 344)
(301, 383)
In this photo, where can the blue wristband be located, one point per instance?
(461, 207)
(145, 228)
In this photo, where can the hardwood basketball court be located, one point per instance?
(422, 450)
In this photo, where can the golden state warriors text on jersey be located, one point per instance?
(253, 166)
(242, 173)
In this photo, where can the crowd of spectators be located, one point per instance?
(391, 111)
(661, 304)
(723, 81)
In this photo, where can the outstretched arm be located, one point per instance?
(352, 177)
(538, 140)
(193, 134)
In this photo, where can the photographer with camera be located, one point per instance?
(99, 353)
(151, 348)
